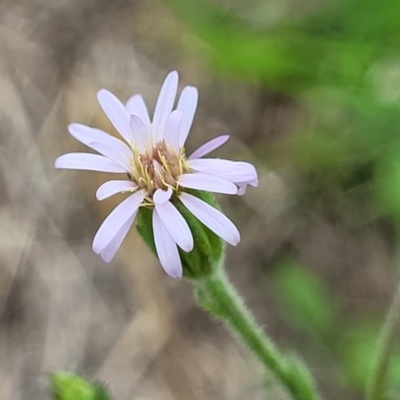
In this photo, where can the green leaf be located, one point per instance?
(288, 55)
(67, 386)
(388, 184)
(395, 370)
(304, 298)
(100, 392)
(357, 352)
(357, 348)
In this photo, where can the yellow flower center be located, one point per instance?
(159, 169)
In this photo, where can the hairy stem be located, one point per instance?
(217, 295)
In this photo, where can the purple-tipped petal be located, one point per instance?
(86, 135)
(116, 113)
(162, 196)
(88, 162)
(209, 183)
(242, 186)
(116, 220)
(208, 147)
(234, 171)
(137, 106)
(172, 127)
(166, 248)
(110, 188)
(253, 183)
(141, 134)
(114, 155)
(211, 218)
(109, 251)
(176, 225)
(188, 103)
(164, 105)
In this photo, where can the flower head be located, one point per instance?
(160, 176)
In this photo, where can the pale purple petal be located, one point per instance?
(176, 225)
(162, 196)
(137, 106)
(211, 218)
(253, 182)
(122, 159)
(110, 188)
(209, 183)
(116, 220)
(164, 105)
(86, 135)
(172, 127)
(242, 186)
(166, 248)
(88, 162)
(188, 103)
(208, 147)
(234, 171)
(109, 251)
(242, 172)
(116, 113)
(202, 164)
(141, 134)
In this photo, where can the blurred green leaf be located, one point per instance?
(334, 46)
(100, 392)
(368, 20)
(388, 184)
(394, 374)
(67, 386)
(356, 351)
(304, 298)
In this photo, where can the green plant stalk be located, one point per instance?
(376, 384)
(217, 295)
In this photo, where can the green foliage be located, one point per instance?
(333, 46)
(208, 247)
(67, 386)
(339, 61)
(305, 299)
(357, 347)
(388, 185)
(357, 350)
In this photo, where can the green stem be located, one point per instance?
(376, 389)
(217, 295)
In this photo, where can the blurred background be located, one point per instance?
(309, 91)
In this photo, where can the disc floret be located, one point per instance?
(158, 168)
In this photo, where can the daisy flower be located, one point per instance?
(152, 157)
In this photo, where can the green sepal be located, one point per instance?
(208, 248)
(67, 386)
